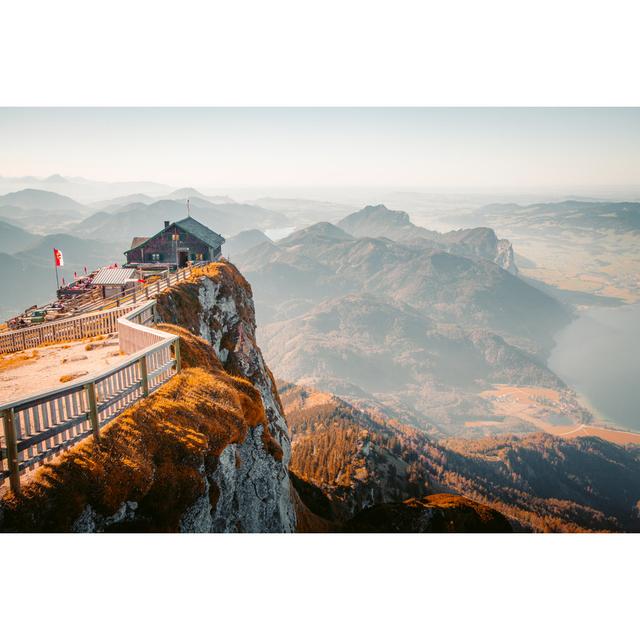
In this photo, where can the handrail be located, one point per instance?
(38, 427)
(165, 279)
(80, 382)
(32, 337)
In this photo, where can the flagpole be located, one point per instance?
(55, 263)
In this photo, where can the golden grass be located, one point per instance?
(151, 454)
(72, 376)
(13, 360)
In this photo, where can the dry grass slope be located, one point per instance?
(152, 454)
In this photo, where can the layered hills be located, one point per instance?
(621, 217)
(138, 218)
(324, 261)
(366, 348)
(41, 200)
(412, 323)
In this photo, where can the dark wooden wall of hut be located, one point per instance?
(165, 246)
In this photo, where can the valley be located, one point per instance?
(514, 409)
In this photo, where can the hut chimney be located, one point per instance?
(166, 224)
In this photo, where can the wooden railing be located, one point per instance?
(99, 317)
(139, 294)
(86, 326)
(39, 427)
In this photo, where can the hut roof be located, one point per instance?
(112, 275)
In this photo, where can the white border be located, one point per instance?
(329, 52)
(323, 586)
(320, 53)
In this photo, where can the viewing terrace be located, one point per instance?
(61, 382)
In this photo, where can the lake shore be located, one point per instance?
(598, 355)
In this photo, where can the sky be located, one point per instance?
(426, 148)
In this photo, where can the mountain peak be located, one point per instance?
(40, 199)
(56, 178)
(318, 231)
(375, 220)
(382, 209)
(186, 192)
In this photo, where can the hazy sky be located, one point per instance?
(426, 148)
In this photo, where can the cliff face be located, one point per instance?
(208, 452)
(505, 257)
(255, 493)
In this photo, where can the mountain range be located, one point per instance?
(620, 217)
(138, 218)
(324, 261)
(481, 242)
(377, 350)
(41, 200)
(417, 327)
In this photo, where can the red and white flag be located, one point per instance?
(57, 254)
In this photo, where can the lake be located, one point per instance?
(598, 355)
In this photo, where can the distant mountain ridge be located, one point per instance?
(323, 261)
(13, 238)
(244, 241)
(378, 221)
(43, 200)
(134, 219)
(621, 217)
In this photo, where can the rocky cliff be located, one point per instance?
(208, 452)
(254, 487)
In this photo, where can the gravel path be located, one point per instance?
(37, 370)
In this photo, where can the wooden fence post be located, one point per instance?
(176, 349)
(12, 449)
(144, 376)
(93, 409)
